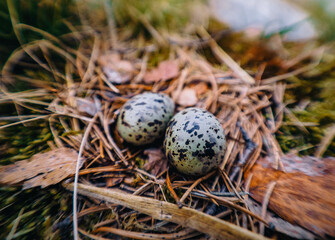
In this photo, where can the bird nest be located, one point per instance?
(132, 191)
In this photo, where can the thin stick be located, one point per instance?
(194, 185)
(102, 169)
(141, 235)
(142, 188)
(12, 118)
(290, 74)
(175, 196)
(224, 57)
(76, 176)
(165, 211)
(23, 121)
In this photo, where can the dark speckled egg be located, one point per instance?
(143, 119)
(194, 141)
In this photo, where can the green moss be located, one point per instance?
(317, 87)
(39, 205)
(21, 142)
(165, 15)
(323, 18)
(46, 15)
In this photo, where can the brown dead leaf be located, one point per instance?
(165, 70)
(187, 97)
(280, 224)
(157, 161)
(301, 196)
(117, 71)
(43, 169)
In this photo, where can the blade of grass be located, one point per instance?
(16, 223)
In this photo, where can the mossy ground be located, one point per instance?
(42, 207)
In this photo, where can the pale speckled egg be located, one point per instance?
(194, 142)
(143, 119)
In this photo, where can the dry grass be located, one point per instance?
(85, 103)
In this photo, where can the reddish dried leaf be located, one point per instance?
(157, 161)
(187, 97)
(165, 70)
(43, 169)
(300, 198)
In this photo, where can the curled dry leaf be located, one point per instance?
(165, 70)
(116, 70)
(43, 169)
(187, 97)
(157, 161)
(304, 195)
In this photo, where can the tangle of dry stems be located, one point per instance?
(83, 97)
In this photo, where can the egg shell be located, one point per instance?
(194, 141)
(143, 119)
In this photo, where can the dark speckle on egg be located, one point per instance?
(194, 142)
(144, 118)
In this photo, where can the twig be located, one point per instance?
(199, 180)
(76, 176)
(141, 235)
(161, 210)
(145, 173)
(224, 57)
(249, 149)
(219, 194)
(142, 188)
(290, 74)
(175, 196)
(102, 169)
(23, 121)
(91, 235)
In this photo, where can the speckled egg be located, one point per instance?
(194, 141)
(143, 119)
